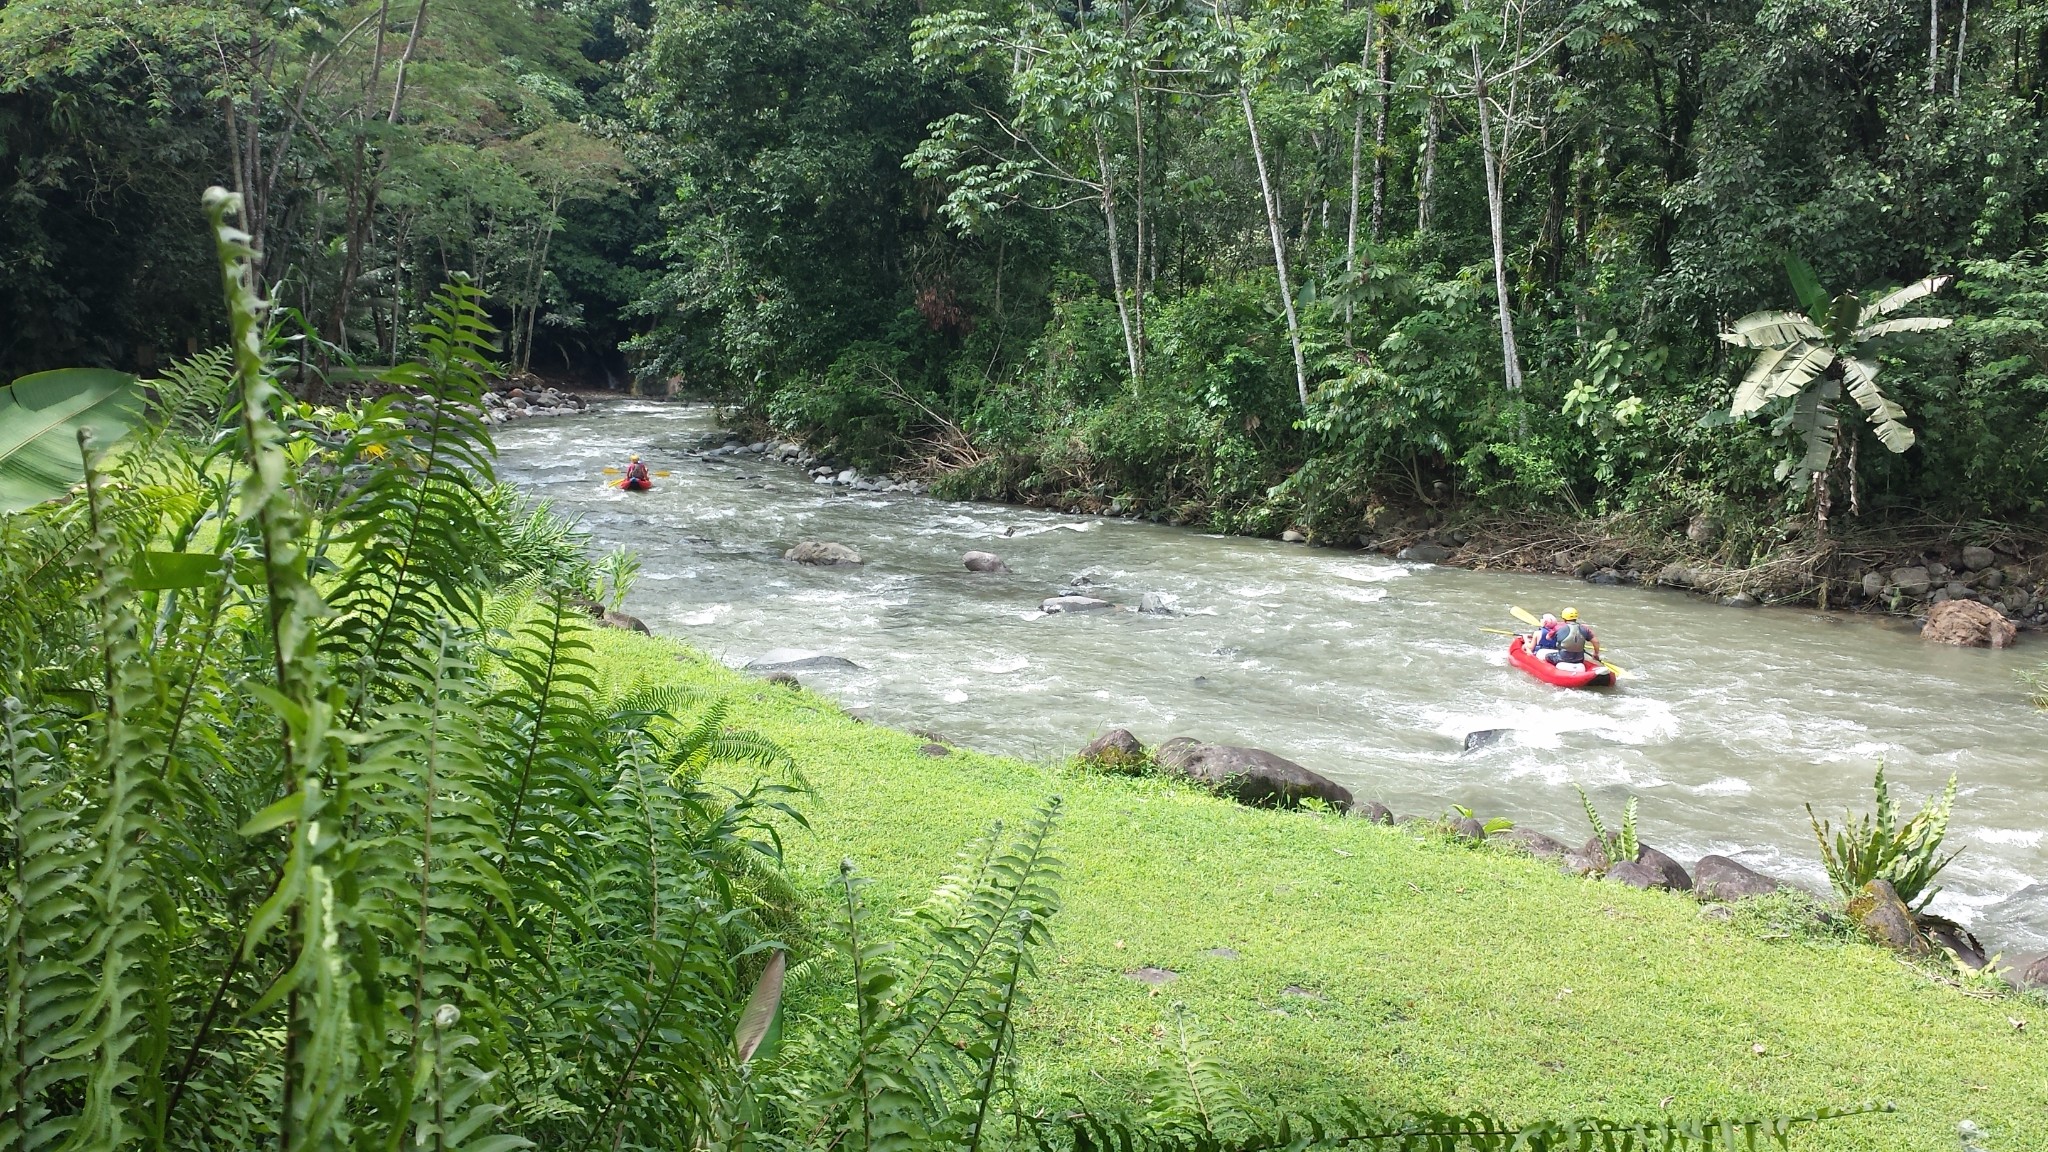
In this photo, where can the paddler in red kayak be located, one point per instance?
(636, 479)
(1569, 642)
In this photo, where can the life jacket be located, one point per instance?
(1572, 637)
(636, 473)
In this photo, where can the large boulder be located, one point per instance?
(1532, 842)
(823, 553)
(985, 562)
(2030, 972)
(798, 660)
(1114, 749)
(1469, 828)
(1719, 878)
(1670, 871)
(1375, 813)
(1057, 604)
(1968, 624)
(1251, 776)
(624, 622)
(1635, 875)
(1885, 918)
(1913, 581)
(1977, 558)
(1427, 552)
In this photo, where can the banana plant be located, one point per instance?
(1808, 358)
(40, 418)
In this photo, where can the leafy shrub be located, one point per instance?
(1620, 844)
(1875, 846)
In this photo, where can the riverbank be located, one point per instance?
(1729, 556)
(1330, 958)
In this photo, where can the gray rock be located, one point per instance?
(1116, 748)
(1635, 875)
(1484, 737)
(1957, 590)
(1427, 552)
(1739, 600)
(1669, 870)
(1704, 529)
(1937, 572)
(985, 562)
(1158, 604)
(784, 679)
(1469, 828)
(821, 480)
(1719, 878)
(823, 553)
(846, 476)
(1912, 581)
(1251, 776)
(1532, 842)
(1968, 950)
(1220, 953)
(1058, 604)
(1586, 859)
(1375, 813)
(757, 447)
(798, 660)
(1156, 977)
(1976, 557)
(1873, 585)
(623, 622)
(1294, 536)
(1886, 919)
(934, 750)
(2030, 972)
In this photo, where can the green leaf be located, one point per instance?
(761, 1009)
(1904, 324)
(1885, 415)
(1806, 286)
(1892, 302)
(40, 416)
(1770, 330)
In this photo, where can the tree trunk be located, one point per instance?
(1933, 43)
(1116, 259)
(412, 43)
(1138, 258)
(540, 271)
(1379, 142)
(1425, 181)
(1251, 124)
(1351, 222)
(1496, 176)
(1962, 38)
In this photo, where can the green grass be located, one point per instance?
(1392, 967)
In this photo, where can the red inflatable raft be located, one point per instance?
(633, 485)
(1595, 675)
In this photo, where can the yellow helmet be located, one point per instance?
(1569, 614)
(634, 458)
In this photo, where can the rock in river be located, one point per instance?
(1968, 624)
(1427, 552)
(1251, 776)
(1719, 878)
(822, 552)
(985, 562)
(1485, 736)
(1073, 604)
(798, 660)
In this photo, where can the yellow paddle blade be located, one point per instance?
(611, 471)
(1617, 669)
(1500, 631)
(1524, 615)
(661, 473)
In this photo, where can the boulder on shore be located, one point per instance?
(1670, 871)
(823, 553)
(1427, 552)
(1115, 749)
(1375, 813)
(1250, 776)
(1719, 878)
(1976, 557)
(1532, 842)
(1886, 919)
(2030, 972)
(985, 562)
(1635, 875)
(1968, 624)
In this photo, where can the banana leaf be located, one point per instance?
(1893, 301)
(1885, 414)
(1904, 324)
(40, 416)
(1770, 330)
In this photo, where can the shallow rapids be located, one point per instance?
(1369, 671)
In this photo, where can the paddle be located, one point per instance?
(1528, 617)
(615, 472)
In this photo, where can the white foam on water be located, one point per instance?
(1360, 595)
(709, 615)
(2013, 836)
(1723, 786)
(1368, 573)
(953, 696)
(1254, 591)
(1004, 666)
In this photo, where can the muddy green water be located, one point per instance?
(1369, 671)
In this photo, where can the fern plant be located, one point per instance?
(1617, 845)
(1876, 846)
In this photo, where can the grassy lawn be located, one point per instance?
(1393, 968)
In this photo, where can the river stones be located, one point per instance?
(1719, 878)
(1375, 813)
(799, 660)
(1294, 536)
(623, 622)
(1484, 737)
(1159, 604)
(1250, 776)
(1885, 919)
(1635, 875)
(2030, 972)
(1427, 552)
(1055, 605)
(823, 553)
(1115, 750)
(1977, 558)
(1532, 842)
(985, 562)
(1670, 871)
(1469, 828)
(1968, 624)
(1913, 581)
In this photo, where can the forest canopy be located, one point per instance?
(1249, 265)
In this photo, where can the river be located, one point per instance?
(1366, 670)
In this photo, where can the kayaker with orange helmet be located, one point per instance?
(636, 479)
(1573, 640)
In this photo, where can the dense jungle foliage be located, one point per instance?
(1251, 264)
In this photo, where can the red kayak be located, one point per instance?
(1595, 674)
(634, 485)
